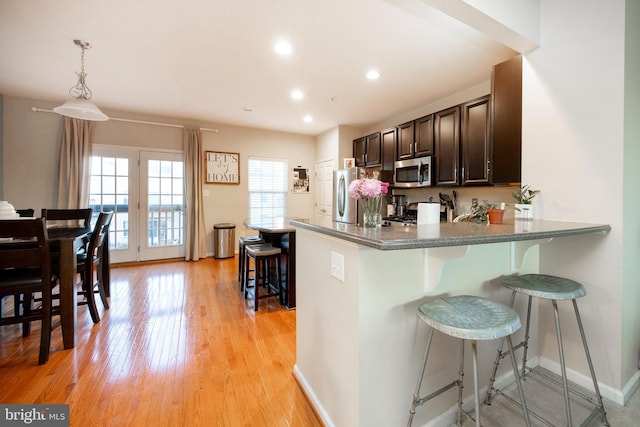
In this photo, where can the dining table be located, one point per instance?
(66, 242)
(279, 233)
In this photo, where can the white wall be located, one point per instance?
(31, 145)
(631, 201)
(573, 146)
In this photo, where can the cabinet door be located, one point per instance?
(388, 149)
(506, 86)
(359, 150)
(446, 138)
(475, 143)
(373, 150)
(423, 128)
(405, 141)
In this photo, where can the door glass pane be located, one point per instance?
(165, 195)
(109, 191)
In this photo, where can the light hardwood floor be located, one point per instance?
(179, 347)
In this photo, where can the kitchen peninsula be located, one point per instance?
(358, 339)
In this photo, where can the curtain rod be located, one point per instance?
(143, 122)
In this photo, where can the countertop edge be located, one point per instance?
(379, 242)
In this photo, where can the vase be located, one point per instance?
(495, 216)
(371, 212)
(524, 211)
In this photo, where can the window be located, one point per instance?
(267, 188)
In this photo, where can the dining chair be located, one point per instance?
(25, 213)
(90, 261)
(25, 269)
(67, 218)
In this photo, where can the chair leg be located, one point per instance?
(563, 369)
(87, 289)
(416, 395)
(514, 364)
(476, 385)
(526, 336)
(593, 372)
(45, 329)
(23, 304)
(461, 414)
(101, 287)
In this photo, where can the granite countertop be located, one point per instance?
(273, 225)
(448, 233)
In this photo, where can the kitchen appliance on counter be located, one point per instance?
(346, 209)
(412, 173)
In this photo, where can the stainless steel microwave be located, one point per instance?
(412, 173)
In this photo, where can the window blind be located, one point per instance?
(267, 182)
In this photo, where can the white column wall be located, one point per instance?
(573, 98)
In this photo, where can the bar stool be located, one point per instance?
(468, 318)
(551, 288)
(242, 242)
(264, 258)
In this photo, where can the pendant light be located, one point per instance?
(80, 107)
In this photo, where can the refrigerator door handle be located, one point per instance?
(341, 195)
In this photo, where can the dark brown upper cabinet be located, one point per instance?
(446, 140)
(367, 150)
(405, 141)
(388, 142)
(476, 142)
(506, 126)
(415, 138)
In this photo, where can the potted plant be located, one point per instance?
(486, 211)
(524, 195)
(494, 213)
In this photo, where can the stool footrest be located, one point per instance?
(423, 400)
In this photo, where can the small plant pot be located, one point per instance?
(495, 216)
(524, 211)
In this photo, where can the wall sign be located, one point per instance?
(222, 168)
(300, 180)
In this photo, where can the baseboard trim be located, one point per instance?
(320, 411)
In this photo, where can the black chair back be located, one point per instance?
(68, 218)
(25, 269)
(25, 213)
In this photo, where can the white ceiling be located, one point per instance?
(207, 59)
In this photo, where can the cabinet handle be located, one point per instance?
(415, 147)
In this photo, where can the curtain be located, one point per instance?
(196, 244)
(75, 158)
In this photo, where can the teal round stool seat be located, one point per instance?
(554, 289)
(545, 286)
(468, 318)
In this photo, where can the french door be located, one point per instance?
(145, 190)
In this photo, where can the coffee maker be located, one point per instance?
(400, 205)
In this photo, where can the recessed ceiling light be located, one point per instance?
(373, 74)
(308, 118)
(297, 94)
(283, 47)
(247, 108)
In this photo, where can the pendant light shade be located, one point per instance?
(80, 107)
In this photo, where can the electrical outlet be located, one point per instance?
(337, 266)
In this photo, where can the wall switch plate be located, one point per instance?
(337, 266)
(205, 193)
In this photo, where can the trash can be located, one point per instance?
(224, 238)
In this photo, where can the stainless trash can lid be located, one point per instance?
(225, 225)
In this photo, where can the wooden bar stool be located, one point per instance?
(265, 259)
(242, 242)
(468, 318)
(551, 288)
